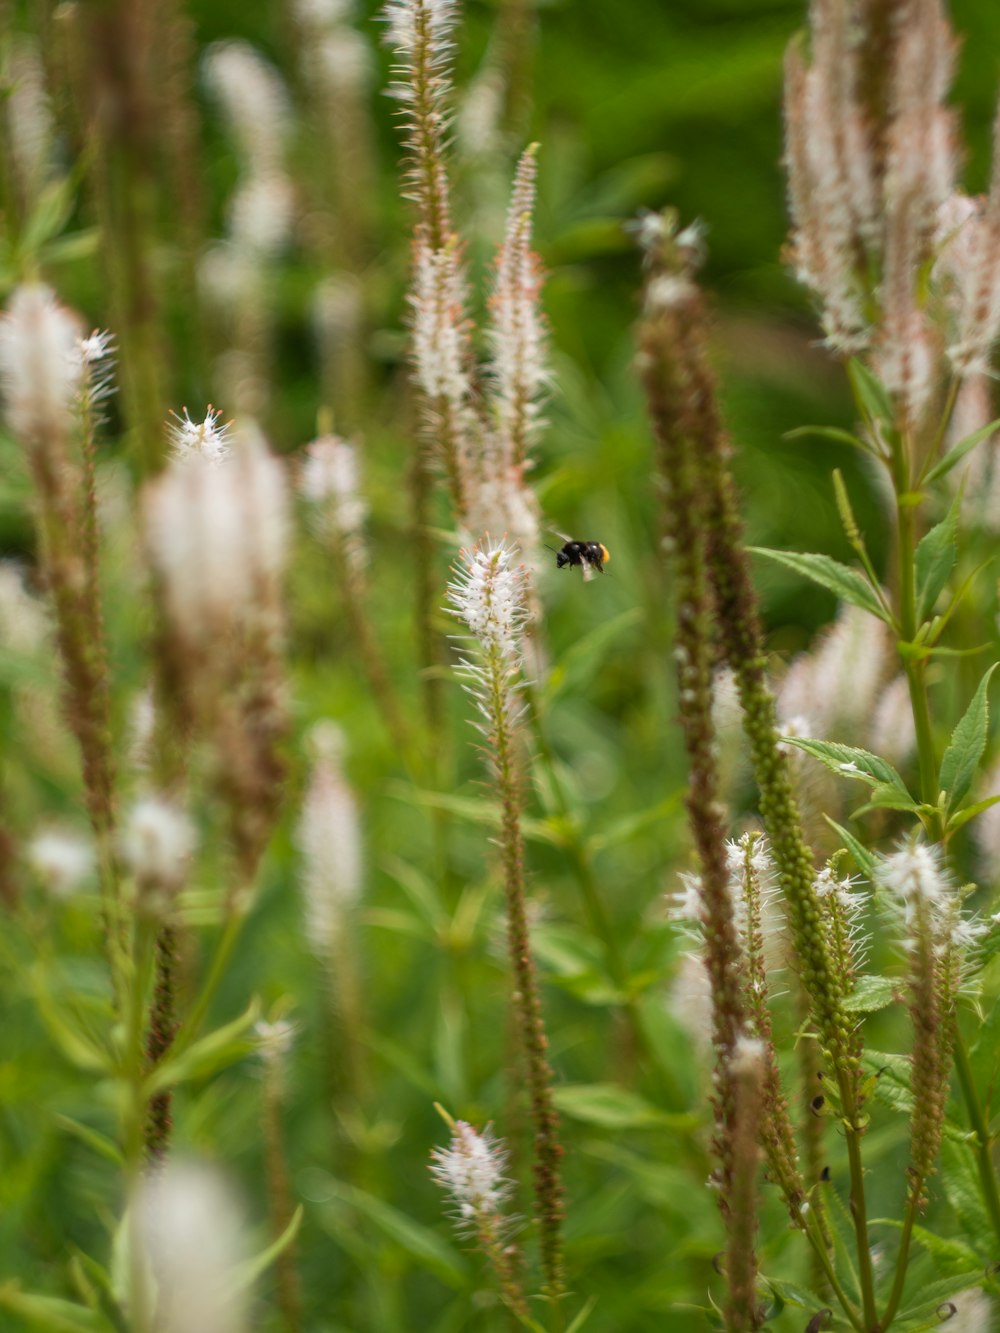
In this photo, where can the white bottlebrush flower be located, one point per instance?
(329, 479)
(64, 862)
(254, 100)
(343, 61)
(209, 440)
(490, 595)
(914, 874)
(516, 331)
(218, 538)
(329, 842)
(689, 999)
(440, 331)
(156, 843)
(419, 25)
(833, 688)
(261, 214)
(191, 1230)
(39, 365)
(471, 1171)
(29, 116)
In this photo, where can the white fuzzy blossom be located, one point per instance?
(747, 1059)
(471, 1171)
(29, 116)
(831, 691)
(413, 24)
(40, 365)
(218, 539)
(687, 908)
(209, 440)
(63, 861)
(927, 897)
(329, 842)
(440, 335)
(191, 1231)
(516, 332)
(489, 594)
(254, 100)
(156, 843)
(330, 480)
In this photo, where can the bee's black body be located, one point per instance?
(589, 555)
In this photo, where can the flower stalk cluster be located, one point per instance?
(479, 427)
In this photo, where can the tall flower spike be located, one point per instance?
(934, 937)
(471, 1171)
(489, 595)
(420, 33)
(516, 331)
(329, 842)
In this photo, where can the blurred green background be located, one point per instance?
(636, 105)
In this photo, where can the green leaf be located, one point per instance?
(968, 742)
(851, 762)
(207, 1055)
(870, 393)
(954, 456)
(847, 583)
(77, 1046)
(51, 1313)
(871, 994)
(886, 797)
(935, 559)
(863, 858)
(91, 1137)
(612, 1107)
(420, 1242)
(583, 1315)
(249, 1271)
(962, 817)
(827, 433)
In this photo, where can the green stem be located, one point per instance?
(984, 1158)
(814, 1234)
(915, 670)
(903, 1257)
(859, 1209)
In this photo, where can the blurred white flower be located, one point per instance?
(62, 861)
(191, 1229)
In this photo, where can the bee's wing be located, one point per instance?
(561, 535)
(588, 571)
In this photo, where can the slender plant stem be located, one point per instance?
(903, 1257)
(814, 1234)
(859, 1208)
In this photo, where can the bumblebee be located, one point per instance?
(590, 556)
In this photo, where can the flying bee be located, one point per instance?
(590, 556)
